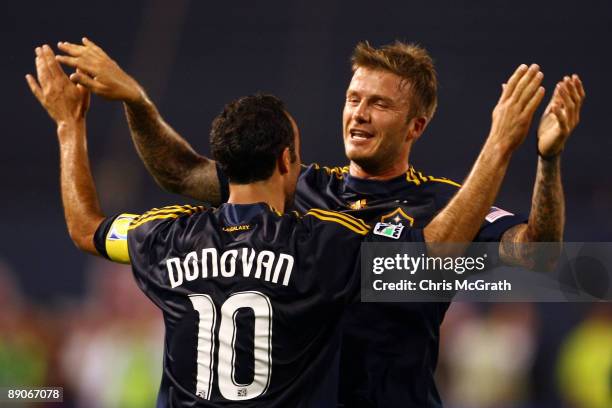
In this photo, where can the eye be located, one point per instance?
(380, 104)
(352, 99)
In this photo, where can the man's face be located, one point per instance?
(375, 120)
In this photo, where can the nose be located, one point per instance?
(361, 113)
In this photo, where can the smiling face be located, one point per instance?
(378, 131)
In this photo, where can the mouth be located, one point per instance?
(359, 134)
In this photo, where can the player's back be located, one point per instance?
(251, 302)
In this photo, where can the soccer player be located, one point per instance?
(389, 350)
(220, 275)
(251, 298)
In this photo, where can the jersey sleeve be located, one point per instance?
(496, 222)
(111, 237)
(119, 237)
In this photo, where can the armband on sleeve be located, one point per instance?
(111, 238)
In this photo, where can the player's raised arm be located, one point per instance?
(169, 158)
(67, 105)
(547, 215)
(461, 219)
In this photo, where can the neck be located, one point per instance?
(269, 191)
(388, 173)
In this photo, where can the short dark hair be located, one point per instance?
(248, 137)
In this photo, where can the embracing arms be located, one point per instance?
(168, 157)
(67, 105)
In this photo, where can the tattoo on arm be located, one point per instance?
(546, 222)
(169, 158)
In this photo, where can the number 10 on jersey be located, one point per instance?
(228, 386)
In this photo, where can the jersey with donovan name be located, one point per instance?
(251, 299)
(390, 350)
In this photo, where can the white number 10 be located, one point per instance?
(229, 388)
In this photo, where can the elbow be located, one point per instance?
(544, 251)
(83, 238)
(547, 256)
(78, 238)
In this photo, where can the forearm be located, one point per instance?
(169, 158)
(546, 222)
(547, 215)
(81, 206)
(461, 219)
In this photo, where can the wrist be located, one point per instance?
(70, 128)
(498, 151)
(549, 157)
(138, 100)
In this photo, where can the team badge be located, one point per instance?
(359, 204)
(398, 216)
(388, 230)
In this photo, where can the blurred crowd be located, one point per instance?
(105, 348)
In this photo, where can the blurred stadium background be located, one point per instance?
(69, 320)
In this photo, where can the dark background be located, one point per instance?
(194, 56)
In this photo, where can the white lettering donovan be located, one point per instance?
(207, 263)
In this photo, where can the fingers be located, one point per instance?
(74, 50)
(41, 69)
(508, 89)
(52, 65)
(84, 80)
(573, 90)
(93, 46)
(534, 101)
(88, 42)
(562, 118)
(83, 57)
(66, 60)
(34, 87)
(530, 90)
(579, 86)
(528, 85)
(564, 93)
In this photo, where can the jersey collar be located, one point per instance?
(376, 187)
(243, 213)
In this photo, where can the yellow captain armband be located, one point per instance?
(116, 240)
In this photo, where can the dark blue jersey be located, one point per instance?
(251, 299)
(390, 350)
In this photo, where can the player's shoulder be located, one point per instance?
(164, 216)
(318, 219)
(440, 189)
(425, 180)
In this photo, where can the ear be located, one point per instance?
(416, 127)
(284, 161)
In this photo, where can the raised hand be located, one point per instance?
(98, 72)
(62, 99)
(561, 116)
(514, 111)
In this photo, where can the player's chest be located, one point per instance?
(413, 209)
